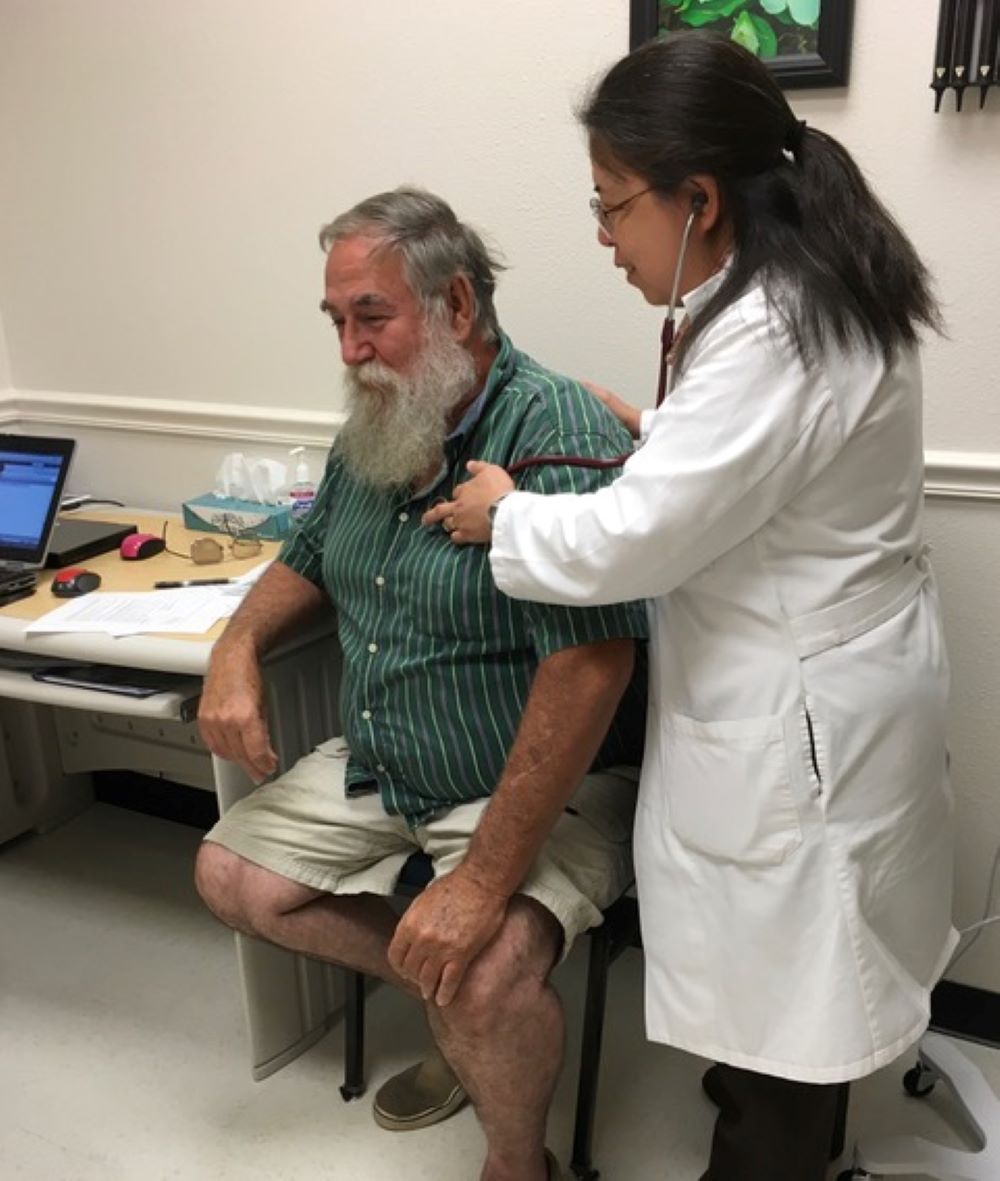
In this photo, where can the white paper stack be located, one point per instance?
(192, 609)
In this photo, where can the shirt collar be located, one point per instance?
(498, 376)
(696, 299)
(473, 413)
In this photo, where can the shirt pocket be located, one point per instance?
(729, 788)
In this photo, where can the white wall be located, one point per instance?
(940, 175)
(165, 168)
(173, 162)
(966, 545)
(4, 362)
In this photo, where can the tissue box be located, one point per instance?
(225, 514)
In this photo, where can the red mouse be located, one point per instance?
(73, 581)
(141, 545)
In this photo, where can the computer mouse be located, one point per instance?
(73, 581)
(137, 546)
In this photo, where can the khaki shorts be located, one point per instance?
(305, 827)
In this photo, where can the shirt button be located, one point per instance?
(379, 580)
(373, 647)
(404, 516)
(366, 714)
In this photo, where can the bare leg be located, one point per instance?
(353, 930)
(503, 1034)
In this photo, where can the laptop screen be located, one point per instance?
(32, 474)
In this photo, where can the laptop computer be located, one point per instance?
(33, 473)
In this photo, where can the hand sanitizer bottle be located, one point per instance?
(303, 492)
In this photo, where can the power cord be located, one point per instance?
(69, 504)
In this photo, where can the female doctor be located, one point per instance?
(793, 841)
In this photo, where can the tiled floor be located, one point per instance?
(122, 1055)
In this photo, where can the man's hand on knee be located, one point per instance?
(442, 932)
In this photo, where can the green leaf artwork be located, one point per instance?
(767, 28)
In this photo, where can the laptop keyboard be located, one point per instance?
(16, 584)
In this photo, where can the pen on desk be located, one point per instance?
(191, 582)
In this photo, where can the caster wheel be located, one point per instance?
(918, 1082)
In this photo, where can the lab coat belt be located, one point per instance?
(843, 622)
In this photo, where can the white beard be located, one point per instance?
(398, 423)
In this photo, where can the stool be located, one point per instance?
(619, 930)
(940, 1060)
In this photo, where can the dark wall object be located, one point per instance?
(967, 52)
(828, 66)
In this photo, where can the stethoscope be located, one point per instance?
(668, 337)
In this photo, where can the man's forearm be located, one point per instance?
(278, 603)
(570, 708)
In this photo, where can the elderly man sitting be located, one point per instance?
(479, 729)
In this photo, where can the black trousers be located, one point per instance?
(769, 1129)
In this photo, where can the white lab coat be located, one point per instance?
(793, 838)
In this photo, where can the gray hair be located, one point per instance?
(434, 245)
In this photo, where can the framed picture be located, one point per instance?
(803, 42)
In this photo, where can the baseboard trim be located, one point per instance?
(220, 421)
(961, 1010)
(949, 475)
(962, 475)
(192, 806)
(8, 412)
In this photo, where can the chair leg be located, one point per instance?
(354, 1035)
(590, 1053)
(840, 1127)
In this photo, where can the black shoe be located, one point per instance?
(713, 1086)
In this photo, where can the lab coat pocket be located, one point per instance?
(730, 790)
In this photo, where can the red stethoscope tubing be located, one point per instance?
(565, 461)
(520, 465)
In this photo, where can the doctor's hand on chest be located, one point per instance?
(467, 516)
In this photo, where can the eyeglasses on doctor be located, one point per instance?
(604, 213)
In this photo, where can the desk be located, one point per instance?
(52, 737)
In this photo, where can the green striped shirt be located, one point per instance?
(437, 662)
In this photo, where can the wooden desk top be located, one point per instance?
(120, 575)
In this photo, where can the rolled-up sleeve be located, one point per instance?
(303, 551)
(554, 627)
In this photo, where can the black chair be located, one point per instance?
(619, 930)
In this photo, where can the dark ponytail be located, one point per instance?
(830, 257)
